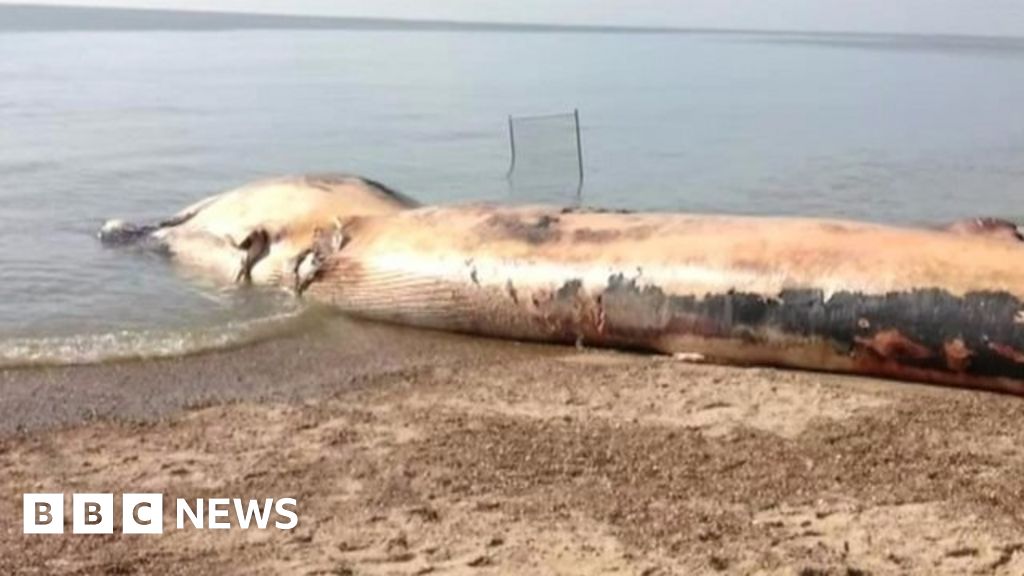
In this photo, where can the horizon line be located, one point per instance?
(282, 21)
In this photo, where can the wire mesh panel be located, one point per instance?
(547, 158)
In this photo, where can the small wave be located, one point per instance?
(150, 344)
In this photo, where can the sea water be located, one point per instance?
(135, 125)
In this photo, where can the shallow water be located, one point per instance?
(136, 125)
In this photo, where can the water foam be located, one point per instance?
(150, 344)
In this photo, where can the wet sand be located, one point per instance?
(421, 453)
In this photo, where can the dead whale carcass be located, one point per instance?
(814, 294)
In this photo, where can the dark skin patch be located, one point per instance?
(570, 314)
(596, 236)
(569, 291)
(176, 220)
(929, 329)
(987, 226)
(391, 192)
(611, 234)
(326, 182)
(590, 210)
(835, 228)
(532, 231)
(256, 246)
(512, 293)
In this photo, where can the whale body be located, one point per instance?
(828, 295)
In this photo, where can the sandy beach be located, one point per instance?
(420, 453)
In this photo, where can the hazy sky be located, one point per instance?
(986, 17)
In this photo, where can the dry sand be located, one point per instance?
(418, 453)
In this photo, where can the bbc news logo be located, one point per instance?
(144, 513)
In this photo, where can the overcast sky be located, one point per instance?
(985, 17)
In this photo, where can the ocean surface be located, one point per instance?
(135, 125)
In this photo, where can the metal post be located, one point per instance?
(579, 154)
(512, 147)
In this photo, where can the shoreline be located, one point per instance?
(416, 452)
(328, 356)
